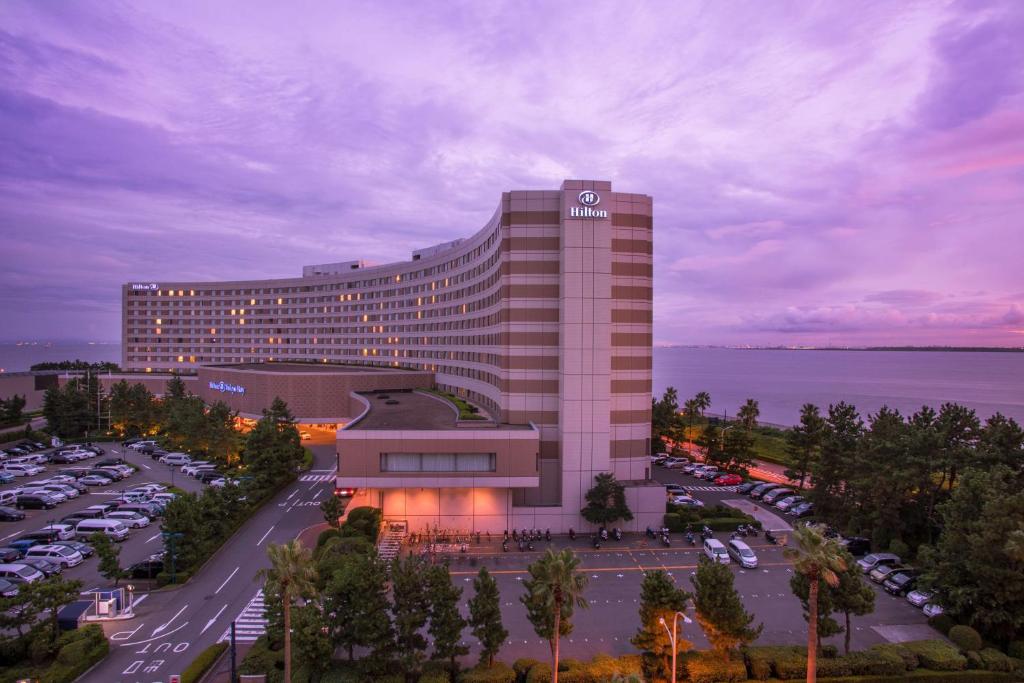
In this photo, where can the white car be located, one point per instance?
(150, 488)
(22, 470)
(741, 552)
(675, 463)
(58, 554)
(65, 532)
(305, 436)
(920, 597)
(933, 609)
(789, 502)
(688, 501)
(141, 444)
(193, 468)
(176, 459)
(57, 496)
(164, 497)
(132, 520)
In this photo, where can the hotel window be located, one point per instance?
(438, 462)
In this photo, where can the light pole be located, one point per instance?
(672, 636)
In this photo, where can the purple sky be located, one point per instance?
(838, 172)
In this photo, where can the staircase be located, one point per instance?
(390, 541)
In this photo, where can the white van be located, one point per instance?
(65, 532)
(8, 497)
(22, 470)
(20, 573)
(58, 554)
(715, 551)
(111, 527)
(176, 459)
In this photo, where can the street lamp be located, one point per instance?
(672, 636)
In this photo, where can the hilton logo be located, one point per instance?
(148, 286)
(589, 199)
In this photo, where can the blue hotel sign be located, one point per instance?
(227, 388)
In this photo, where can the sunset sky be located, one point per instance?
(845, 173)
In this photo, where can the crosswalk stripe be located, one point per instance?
(250, 623)
(316, 477)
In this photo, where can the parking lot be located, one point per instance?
(141, 543)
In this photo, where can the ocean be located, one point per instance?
(783, 380)
(780, 380)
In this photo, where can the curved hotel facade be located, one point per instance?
(541, 320)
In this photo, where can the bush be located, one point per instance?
(937, 655)
(994, 660)
(605, 668)
(326, 535)
(886, 650)
(965, 638)
(762, 660)
(927, 677)
(942, 623)
(829, 651)
(499, 673)
(522, 667)
(194, 671)
(1016, 649)
(539, 673)
(708, 667)
(898, 547)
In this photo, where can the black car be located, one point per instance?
(158, 453)
(109, 461)
(206, 476)
(901, 582)
(61, 458)
(9, 514)
(33, 501)
(112, 475)
(95, 449)
(746, 487)
(147, 569)
(8, 554)
(857, 545)
(40, 537)
(83, 548)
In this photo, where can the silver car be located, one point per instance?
(742, 554)
(920, 597)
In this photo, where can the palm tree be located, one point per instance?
(692, 408)
(553, 590)
(748, 414)
(702, 401)
(819, 559)
(292, 569)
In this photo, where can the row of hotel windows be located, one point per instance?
(438, 462)
(142, 354)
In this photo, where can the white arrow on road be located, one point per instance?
(210, 622)
(163, 627)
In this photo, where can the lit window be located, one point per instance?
(170, 292)
(149, 369)
(159, 321)
(232, 311)
(191, 292)
(241, 321)
(191, 359)
(252, 302)
(280, 301)
(241, 311)
(158, 330)
(181, 292)
(213, 330)
(181, 359)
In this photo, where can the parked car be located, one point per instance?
(715, 551)
(901, 582)
(150, 488)
(933, 609)
(22, 470)
(761, 489)
(131, 519)
(804, 509)
(40, 536)
(104, 508)
(113, 528)
(687, 501)
(856, 545)
(10, 554)
(196, 466)
(111, 472)
(58, 554)
(689, 468)
(9, 514)
(96, 480)
(30, 490)
(18, 572)
(741, 552)
(176, 459)
(675, 490)
(788, 502)
(8, 589)
(147, 569)
(116, 460)
(63, 489)
(63, 532)
(920, 597)
(141, 444)
(881, 572)
(84, 549)
(675, 463)
(869, 562)
(35, 501)
(206, 476)
(45, 566)
(728, 480)
(6, 477)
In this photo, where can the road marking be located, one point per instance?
(162, 627)
(250, 623)
(264, 536)
(124, 635)
(290, 496)
(215, 616)
(152, 538)
(138, 600)
(9, 535)
(151, 639)
(226, 580)
(146, 466)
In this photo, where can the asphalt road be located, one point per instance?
(174, 625)
(141, 543)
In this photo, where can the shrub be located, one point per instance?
(829, 651)
(203, 661)
(499, 673)
(164, 578)
(994, 660)
(927, 677)
(941, 623)
(427, 677)
(937, 655)
(900, 548)
(604, 668)
(965, 638)
(709, 667)
(326, 535)
(762, 660)
(522, 667)
(1016, 649)
(886, 649)
(539, 673)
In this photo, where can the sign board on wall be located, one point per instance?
(224, 387)
(589, 199)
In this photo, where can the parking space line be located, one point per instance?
(264, 536)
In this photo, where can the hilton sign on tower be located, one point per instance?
(589, 199)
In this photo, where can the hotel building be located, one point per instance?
(541, 322)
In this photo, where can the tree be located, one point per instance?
(50, 595)
(291, 570)
(410, 610)
(109, 555)
(1001, 442)
(333, 509)
(710, 442)
(446, 622)
(485, 616)
(11, 409)
(748, 414)
(738, 453)
(837, 465)
(310, 637)
(852, 596)
(273, 449)
(692, 409)
(719, 609)
(975, 565)
(703, 401)
(553, 591)
(67, 409)
(803, 443)
(355, 599)
(660, 599)
(820, 560)
(606, 501)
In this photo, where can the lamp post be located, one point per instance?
(672, 636)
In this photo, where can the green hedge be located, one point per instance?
(194, 671)
(522, 667)
(708, 666)
(676, 522)
(499, 673)
(928, 677)
(965, 638)
(76, 652)
(937, 655)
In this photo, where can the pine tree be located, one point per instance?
(485, 616)
(852, 596)
(356, 602)
(660, 599)
(719, 609)
(109, 555)
(803, 443)
(606, 501)
(410, 609)
(333, 509)
(446, 622)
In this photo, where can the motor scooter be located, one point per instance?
(595, 541)
(665, 541)
(547, 535)
(770, 537)
(504, 546)
(691, 538)
(617, 533)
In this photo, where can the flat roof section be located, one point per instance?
(326, 368)
(407, 410)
